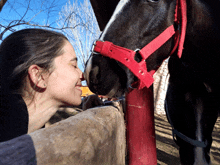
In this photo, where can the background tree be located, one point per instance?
(76, 20)
(29, 13)
(80, 16)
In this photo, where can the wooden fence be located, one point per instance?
(92, 137)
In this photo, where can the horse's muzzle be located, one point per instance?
(104, 76)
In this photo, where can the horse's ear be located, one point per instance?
(103, 10)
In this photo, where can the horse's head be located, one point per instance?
(134, 24)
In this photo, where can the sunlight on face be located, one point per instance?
(64, 82)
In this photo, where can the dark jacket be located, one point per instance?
(13, 117)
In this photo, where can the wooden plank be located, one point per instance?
(92, 137)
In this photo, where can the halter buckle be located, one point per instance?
(93, 46)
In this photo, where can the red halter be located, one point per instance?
(126, 56)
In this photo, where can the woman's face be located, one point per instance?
(64, 83)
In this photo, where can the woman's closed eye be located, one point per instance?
(75, 66)
(73, 62)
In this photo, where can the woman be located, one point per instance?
(39, 73)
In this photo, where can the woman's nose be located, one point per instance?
(82, 78)
(81, 75)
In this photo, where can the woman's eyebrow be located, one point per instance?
(74, 59)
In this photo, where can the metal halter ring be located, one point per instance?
(93, 46)
(137, 50)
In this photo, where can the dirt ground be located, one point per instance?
(167, 150)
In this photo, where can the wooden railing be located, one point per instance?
(92, 137)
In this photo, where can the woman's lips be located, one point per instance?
(78, 87)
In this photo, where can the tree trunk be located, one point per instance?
(2, 3)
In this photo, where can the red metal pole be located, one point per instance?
(140, 127)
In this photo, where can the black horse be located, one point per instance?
(193, 96)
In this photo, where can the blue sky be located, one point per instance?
(15, 9)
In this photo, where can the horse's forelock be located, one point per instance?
(119, 8)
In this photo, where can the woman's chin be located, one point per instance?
(77, 102)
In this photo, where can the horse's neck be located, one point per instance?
(203, 26)
(201, 54)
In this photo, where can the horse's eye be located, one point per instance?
(152, 0)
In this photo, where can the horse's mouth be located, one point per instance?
(113, 90)
(106, 77)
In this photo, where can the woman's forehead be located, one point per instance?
(69, 52)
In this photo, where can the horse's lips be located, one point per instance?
(87, 70)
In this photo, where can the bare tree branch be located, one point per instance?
(28, 16)
(76, 20)
(81, 37)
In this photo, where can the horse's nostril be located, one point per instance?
(95, 71)
(94, 75)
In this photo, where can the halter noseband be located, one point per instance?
(126, 56)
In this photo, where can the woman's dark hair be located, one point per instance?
(24, 48)
(18, 52)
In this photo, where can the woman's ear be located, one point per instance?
(36, 76)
